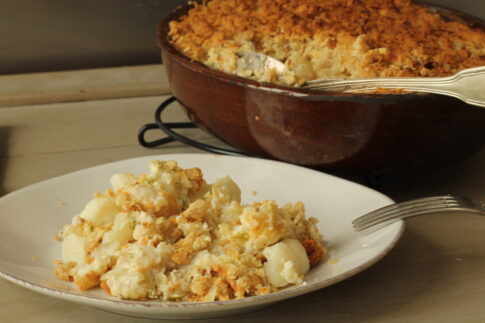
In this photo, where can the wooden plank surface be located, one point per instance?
(435, 273)
(77, 135)
(83, 85)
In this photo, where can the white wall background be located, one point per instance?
(46, 35)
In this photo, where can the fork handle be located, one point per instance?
(440, 210)
(466, 85)
(411, 214)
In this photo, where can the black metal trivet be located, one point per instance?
(372, 181)
(167, 127)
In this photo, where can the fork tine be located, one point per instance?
(398, 206)
(407, 207)
(393, 217)
(422, 206)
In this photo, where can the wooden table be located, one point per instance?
(436, 273)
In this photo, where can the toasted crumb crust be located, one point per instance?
(315, 251)
(366, 38)
(198, 243)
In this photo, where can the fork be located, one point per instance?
(466, 85)
(429, 205)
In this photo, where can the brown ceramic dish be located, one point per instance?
(349, 133)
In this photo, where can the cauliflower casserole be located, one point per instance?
(169, 235)
(327, 39)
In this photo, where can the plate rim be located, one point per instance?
(157, 304)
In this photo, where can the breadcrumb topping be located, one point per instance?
(169, 235)
(328, 38)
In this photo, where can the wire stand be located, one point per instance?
(167, 127)
(373, 182)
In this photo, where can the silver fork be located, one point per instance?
(395, 212)
(466, 85)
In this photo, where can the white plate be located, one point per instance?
(30, 217)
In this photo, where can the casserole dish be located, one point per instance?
(340, 132)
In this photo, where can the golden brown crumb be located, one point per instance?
(185, 248)
(314, 250)
(105, 287)
(152, 237)
(392, 37)
(87, 281)
(63, 270)
(101, 194)
(195, 175)
(381, 90)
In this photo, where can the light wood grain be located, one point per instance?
(83, 85)
(77, 135)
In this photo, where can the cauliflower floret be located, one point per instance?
(169, 235)
(122, 230)
(132, 276)
(120, 181)
(286, 263)
(100, 211)
(73, 248)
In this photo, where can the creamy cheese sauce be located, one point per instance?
(169, 235)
